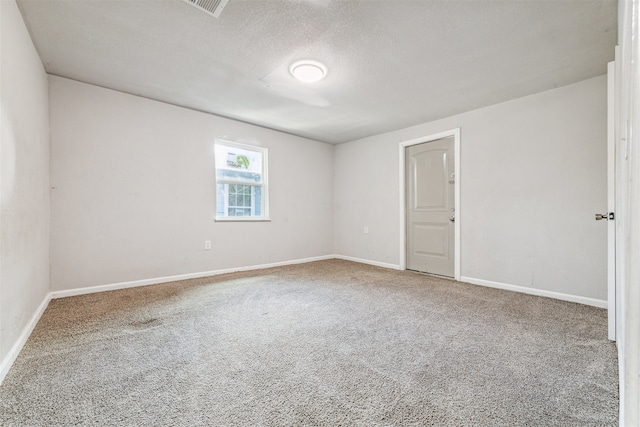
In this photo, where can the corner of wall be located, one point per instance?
(334, 234)
(25, 193)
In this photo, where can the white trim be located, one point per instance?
(620, 208)
(403, 234)
(621, 381)
(166, 279)
(368, 261)
(11, 357)
(538, 292)
(458, 234)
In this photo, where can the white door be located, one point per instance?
(611, 178)
(430, 196)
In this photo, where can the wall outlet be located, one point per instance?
(366, 230)
(207, 245)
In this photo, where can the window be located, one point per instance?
(241, 182)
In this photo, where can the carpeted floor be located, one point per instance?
(330, 343)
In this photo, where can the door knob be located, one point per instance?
(452, 218)
(605, 216)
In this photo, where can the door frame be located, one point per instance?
(455, 133)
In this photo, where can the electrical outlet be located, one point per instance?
(366, 230)
(207, 245)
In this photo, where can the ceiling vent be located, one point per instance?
(212, 7)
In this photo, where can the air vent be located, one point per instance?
(212, 7)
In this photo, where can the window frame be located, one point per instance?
(264, 184)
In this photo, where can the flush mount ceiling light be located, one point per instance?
(308, 71)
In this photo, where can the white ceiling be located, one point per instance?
(392, 64)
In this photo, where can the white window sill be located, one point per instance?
(242, 219)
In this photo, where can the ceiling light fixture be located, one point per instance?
(308, 71)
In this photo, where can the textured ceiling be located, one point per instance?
(392, 64)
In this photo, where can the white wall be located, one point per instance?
(24, 196)
(134, 191)
(533, 173)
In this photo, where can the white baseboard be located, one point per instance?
(367, 261)
(166, 279)
(11, 357)
(539, 292)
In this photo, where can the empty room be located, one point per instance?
(319, 213)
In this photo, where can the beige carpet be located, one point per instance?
(330, 343)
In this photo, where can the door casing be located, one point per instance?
(455, 133)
